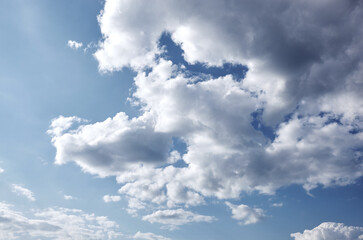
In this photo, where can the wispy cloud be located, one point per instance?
(149, 236)
(280, 204)
(22, 191)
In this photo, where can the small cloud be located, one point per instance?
(68, 197)
(74, 45)
(21, 191)
(90, 45)
(278, 204)
(1, 170)
(108, 198)
(176, 217)
(245, 214)
(149, 236)
(61, 124)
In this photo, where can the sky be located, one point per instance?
(160, 120)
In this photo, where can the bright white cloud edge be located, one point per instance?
(22, 191)
(330, 230)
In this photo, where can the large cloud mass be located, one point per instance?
(331, 230)
(304, 83)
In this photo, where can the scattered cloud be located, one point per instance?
(330, 230)
(149, 236)
(173, 218)
(22, 191)
(1, 170)
(74, 45)
(55, 223)
(245, 214)
(280, 204)
(108, 198)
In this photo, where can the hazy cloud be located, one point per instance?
(149, 236)
(22, 191)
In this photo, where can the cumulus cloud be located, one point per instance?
(74, 45)
(245, 214)
(55, 223)
(174, 217)
(149, 236)
(108, 198)
(330, 230)
(22, 191)
(303, 83)
(115, 145)
(61, 123)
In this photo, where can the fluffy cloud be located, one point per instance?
(303, 82)
(109, 147)
(55, 223)
(61, 123)
(108, 198)
(245, 214)
(330, 230)
(1, 170)
(74, 45)
(22, 191)
(175, 217)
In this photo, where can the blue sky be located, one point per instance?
(181, 120)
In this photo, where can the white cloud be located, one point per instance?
(55, 223)
(149, 236)
(22, 191)
(115, 145)
(301, 64)
(173, 218)
(330, 230)
(108, 198)
(1, 170)
(245, 214)
(74, 45)
(61, 124)
(278, 204)
(68, 197)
